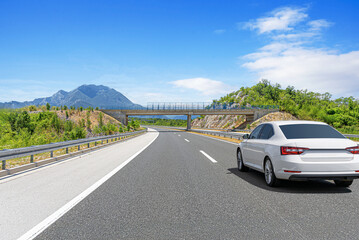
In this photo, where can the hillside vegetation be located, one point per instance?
(162, 122)
(35, 126)
(341, 113)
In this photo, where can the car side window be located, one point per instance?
(267, 132)
(255, 133)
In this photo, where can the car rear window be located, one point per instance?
(295, 131)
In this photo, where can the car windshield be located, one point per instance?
(295, 131)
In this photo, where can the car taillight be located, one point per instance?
(292, 150)
(354, 150)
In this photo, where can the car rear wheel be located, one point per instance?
(241, 166)
(269, 176)
(341, 183)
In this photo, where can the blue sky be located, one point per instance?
(177, 50)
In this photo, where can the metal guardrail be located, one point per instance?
(233, 135)
(238, 135)
(351, 135)
(31, 151)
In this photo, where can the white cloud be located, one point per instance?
(293, 59)
(204, 85)
(313, 69)
(282, 19)
(319, 24)
(219, 31)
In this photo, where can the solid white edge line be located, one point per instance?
(209, 157)
(186, 140)
(39, 228)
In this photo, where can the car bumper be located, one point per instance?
(316, 170)
(326, 176)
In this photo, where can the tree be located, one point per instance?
(32, 108)
(100, 119)
(88, 121)
(48, 106)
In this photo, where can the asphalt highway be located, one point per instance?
(186, 186)
(172, 190)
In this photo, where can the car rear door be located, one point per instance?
(260, 144)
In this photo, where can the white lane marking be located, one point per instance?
(186, 140)
(215, 139)
(179, 135)
(39, 228)
(209, 157)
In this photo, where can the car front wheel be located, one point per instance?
(269, 175)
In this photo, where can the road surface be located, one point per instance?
(186, 186)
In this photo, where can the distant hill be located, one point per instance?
(342, 113)
(83, 96)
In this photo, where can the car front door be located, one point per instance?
(249, 149)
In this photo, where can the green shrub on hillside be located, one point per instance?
(162, 122)
(21, 129)
(342, 113)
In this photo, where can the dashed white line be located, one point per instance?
(209, 157)
(186, 140)
(179, 135)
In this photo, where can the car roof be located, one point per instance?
(291, 122)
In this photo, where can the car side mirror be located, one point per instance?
(245, 136)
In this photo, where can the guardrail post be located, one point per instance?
(107, 140)
(67, 150)
(88, 145)
(95, 144)
(78, 148)
(31, 158)
(52, 154)
(3, 165)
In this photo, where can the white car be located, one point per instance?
(299, 150)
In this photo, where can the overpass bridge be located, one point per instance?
(251, 112)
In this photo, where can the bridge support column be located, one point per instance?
(189, 122)
(126, 120)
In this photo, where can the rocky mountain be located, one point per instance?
(83, 96)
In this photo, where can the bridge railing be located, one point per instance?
(173, 106)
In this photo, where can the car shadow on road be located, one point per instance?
(318, 186)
